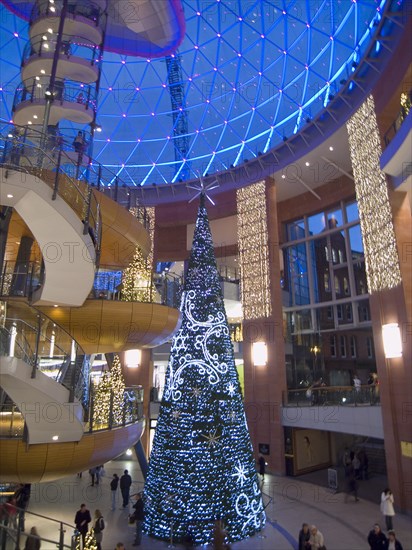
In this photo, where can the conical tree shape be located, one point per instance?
(201, 467)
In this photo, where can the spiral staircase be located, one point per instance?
(71, 232)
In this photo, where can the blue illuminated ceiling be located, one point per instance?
(251, 73)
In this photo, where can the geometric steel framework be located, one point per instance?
(250, 73)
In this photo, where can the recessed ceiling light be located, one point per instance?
(42, 71)
(9, 196)
(55, 437)
(283, 176)
(129, 452)
(307, 163)
(56, 305)
(331, 148)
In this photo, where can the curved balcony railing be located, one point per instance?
(20, 278)
(22, 155)
(88, 10)
(165, 289)
(121, 411)
(332, 395)
(397, 123)
(12, 533)
(60, 155)
(44, 347)
(71, 46)
(37, 89)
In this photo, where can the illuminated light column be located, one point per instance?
(262, 323)
(389, 302)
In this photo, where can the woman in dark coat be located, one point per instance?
(304, 536)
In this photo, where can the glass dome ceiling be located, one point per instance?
(248, 74)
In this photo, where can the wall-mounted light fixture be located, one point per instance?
(392, 341)
(133, 358)
(259, 354)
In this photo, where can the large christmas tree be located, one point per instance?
(201, 467)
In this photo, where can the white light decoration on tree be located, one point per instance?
(375, 215)
(254, 251)
(201, 467)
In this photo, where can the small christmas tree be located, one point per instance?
(201, 467)
(137, 280)
(109, 395)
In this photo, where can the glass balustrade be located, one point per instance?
(72, 45)
(332, 395)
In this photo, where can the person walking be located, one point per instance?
(92, 473)
(357, 384)
(22, 501)
(316, 539)
(392, 542)
(376, 538)
(82, 520)
(351, 485)
(262, 467)
(139, 518)
(364, 464)
(98, 526)
(304, 536)
(125, 483)
(387, 508)
(113, 488)
(33, 540)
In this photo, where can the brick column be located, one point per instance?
(264, 384)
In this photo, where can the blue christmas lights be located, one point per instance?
(201, 467)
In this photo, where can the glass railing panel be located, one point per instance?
(332, 395)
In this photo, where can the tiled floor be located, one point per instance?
(290, 502)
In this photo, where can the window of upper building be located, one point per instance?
(353, 346)
(342, 344)
(332, 346)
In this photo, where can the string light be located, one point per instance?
(109, 396)
(254, 251)
(375, 215)
(137, 280)
(201, 467)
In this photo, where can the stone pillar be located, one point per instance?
(141, 376)
(395, 375)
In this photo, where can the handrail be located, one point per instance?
(332, 395)
(90, 11)
(32, 90)
(16, 157)
(14, 533)
(45, 44)
(397, 123)
(84, 168)
(163, 289)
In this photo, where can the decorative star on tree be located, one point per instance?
(212, 438)
(176, 414)
(196, 392)
(208, 462)
(231, 389)
(240, 473)
(202, 189)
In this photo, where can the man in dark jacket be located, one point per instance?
(139, 516)
(113, 488)
(376, 538)
(125, 483)
(82, 520)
